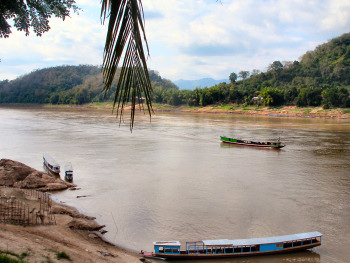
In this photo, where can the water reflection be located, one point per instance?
(307, 256)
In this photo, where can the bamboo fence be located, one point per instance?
(16, 212)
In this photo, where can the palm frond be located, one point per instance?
(124, 40)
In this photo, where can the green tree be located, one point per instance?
(244, 74)
(275, 66)
(290, 94)
(125, 40)
(255, 72)
(272, 96)
(335, 97)
(233, 77)
(28, 14)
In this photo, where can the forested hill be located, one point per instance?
(327, 66)
(64, 85)
(321, 77)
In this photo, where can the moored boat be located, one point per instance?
(68, 172)
(276, 144)
(51, 164)
(225, 248)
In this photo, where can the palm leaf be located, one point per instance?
(124, 39)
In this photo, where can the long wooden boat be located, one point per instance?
(225, 248)
(51, 164)
(276, 144)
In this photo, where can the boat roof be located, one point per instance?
(263, 240)
(167, 243)
(50, 160)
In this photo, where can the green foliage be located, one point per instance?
(62, 255)
(233, 77)
(335, 97)
(244, 74)
(125, 40)
(32, 14)
(4, 257)
(272, 96)
(7, 259)
(319, 79)
(275, 66)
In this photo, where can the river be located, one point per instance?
(172, 179)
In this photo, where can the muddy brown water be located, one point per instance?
(172, 179)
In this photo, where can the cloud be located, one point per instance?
(77, 40)
(212, 49)
(189, 38)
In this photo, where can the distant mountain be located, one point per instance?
(198, 83)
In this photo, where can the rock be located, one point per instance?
(35, 180)
(19, 175)
(84, 224)
(12, 171)
(92, 236)
(64, 209)
(106, 254)
(103, 231)
(53, 187)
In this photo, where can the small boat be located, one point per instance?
(276, 145)
(68, 172)
(51, 164)
(225, 248)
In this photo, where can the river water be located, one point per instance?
(172, 179)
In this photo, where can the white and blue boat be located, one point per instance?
(51, 164)
(226, 248)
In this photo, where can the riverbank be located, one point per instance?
(45, 243)
(285, 111)
(33, 228)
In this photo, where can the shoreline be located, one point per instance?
(69, 235)
(252, 110)
(35, 227)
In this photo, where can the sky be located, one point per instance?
(188, 39)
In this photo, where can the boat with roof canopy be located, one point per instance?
(226, 248)
(276, 144)
(51, 164)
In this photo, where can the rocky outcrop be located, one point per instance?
(67, 210)
(19, 175)
(83, 224)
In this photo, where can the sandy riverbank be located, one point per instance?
(42, 243)
(285, 111)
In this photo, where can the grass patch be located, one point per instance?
(62, 255)
(192, 107)
(249, 107)
(7, 259)
(306, 111)
(10, 257)
(229, 107)
(346, 111)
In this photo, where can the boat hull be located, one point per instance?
(51, 165)
(184, 255)
(255, 145)
(50, 170)
(275, 145)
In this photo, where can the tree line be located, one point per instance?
(321, 77)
